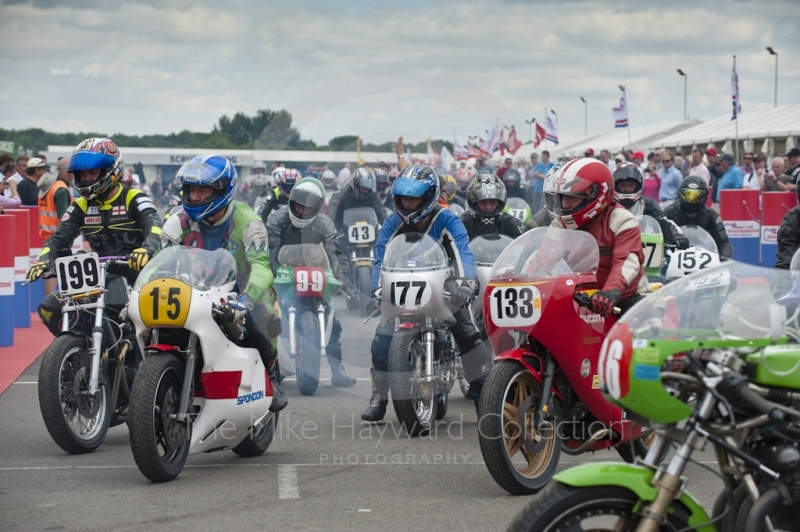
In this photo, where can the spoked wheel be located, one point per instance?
(260, 437)
(599, 508)
(160, 443)
(308, 355)
(77, 422)
(520, 458)
(414, 400)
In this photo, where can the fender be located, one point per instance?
(638, 479)
(86, 337)
(405, 325)
(163, 348)
(519, 355)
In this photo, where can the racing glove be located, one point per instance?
(374, 303)
(37, 270)
(138, 258)
(462, 291)
(681, 241)
(604, 301)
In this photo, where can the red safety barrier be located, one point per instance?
(739, 210)
(22, 294)
(35, 245)
(710, 198)
(7, 226)
(774, 205)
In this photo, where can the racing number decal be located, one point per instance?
(78, 273)
(519, 214)
(516, 305)
(164, 302)
(653, 254)
(361, 233)
(400, 297)
(691, 259)
(309, 281)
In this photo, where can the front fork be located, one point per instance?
(428, 338)
(321, 316)
(293, 332)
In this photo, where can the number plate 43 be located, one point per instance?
(164, 303)
(515, 306)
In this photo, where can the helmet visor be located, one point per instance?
(692, 196)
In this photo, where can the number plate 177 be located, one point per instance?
(515, 306)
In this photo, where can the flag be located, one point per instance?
(513, 143)
(737, 105)
(620, 113)
(358, 152)
(447, 158)
(492, 142)
(475, 151)
(432, 155)
(540, 135)
(551, 127)
(460, 151)
(502, 145)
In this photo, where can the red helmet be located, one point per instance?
(463, 178)
(588, 179)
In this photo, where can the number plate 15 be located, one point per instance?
(309, 281)
(78, 273)
(164, 303)
(515, 306)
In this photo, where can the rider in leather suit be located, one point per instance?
(486, 199)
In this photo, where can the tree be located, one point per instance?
(343, 143)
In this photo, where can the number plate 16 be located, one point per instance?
(309, 281)
(515, 306)
(164, 303)
(78, 273)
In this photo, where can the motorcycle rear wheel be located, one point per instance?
(364, 288)
(307, 358)
(414, 402)
(159, 444)
(597, 508)
(77, 422)
(508, 401)
(259, 439)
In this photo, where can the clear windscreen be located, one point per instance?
(310, 255)
(648, 225)
(414, 251)
(487, 248)
(199, 268)
(699, 237)
(359, 214)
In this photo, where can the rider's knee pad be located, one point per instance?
(50, 313)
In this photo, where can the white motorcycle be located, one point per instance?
(199, 388)
(701, 254)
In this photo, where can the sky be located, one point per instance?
(381, 69)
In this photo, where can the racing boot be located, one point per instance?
(380, 396)
(279, 400)
(339, 378)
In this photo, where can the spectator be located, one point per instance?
(20, 169)
(651, 185)
(747, 167)
(731, 178)
(28, 191)
(539, 173)
(680, 165)
(793, 168)
(659, 155)
(605, 158)
(589, 152)
(344, 176)
(66, 177)
(713, 167)
(671, 179)
(54, 199)
(755, 178)
(131, 179)
(508, 163)
(532, 169)
(482, 166)
(777, 180)
(698, 168)
(5, 159)
(9, 197)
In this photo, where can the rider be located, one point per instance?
(211, 220)
(690, 209)
(463, 179)
(486, 199)
(584, 200)
(285, 178)
(416, 192)
(302, 223)
(328, 179)
(359, 192)
(451, 188)
(259, 192)
(384, 188)
(628, 181)
(514, 186)
(115, 220)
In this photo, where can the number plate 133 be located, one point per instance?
(515, 306)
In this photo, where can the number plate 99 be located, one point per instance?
(515, 306)
(309, 281)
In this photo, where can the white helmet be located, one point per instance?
(328, 178)
(309, 195)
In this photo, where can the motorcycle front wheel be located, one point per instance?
(521, 460)
(76, 421)
(307, 358)
(259, 439)
(598, 508)
(414, 400)
(160, 443)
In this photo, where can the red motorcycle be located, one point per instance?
(542, 397)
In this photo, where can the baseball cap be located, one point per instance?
(711, 151)
(36, 162)
(727, 157)
(794, 152)
(638, 155)
(588, 152)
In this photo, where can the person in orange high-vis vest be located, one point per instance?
(54, 199)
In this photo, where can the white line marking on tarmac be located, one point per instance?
(287, 482)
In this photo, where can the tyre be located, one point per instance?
(260, 437)
(364, 284)
(414, 401)
(441, 406)
(159, 444)
(597, 508)
(640, 448)
(77, 422)
(520, 462)
(307, 358)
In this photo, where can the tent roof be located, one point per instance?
(776, 122)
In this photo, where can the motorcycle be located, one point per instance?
(201, 387)
(456, 209)
(306, 285)
(735, 386)
(652, 246)
(362, 230)
(519, 209)
(87, 371)
(542, 397)
(701, 254)
(422, 353)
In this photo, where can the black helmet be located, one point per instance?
(363, 178)
(483, 187)
(381, 180)
(692, 194)
(511, 178)
(628, 172)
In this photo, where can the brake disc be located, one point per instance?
(87, 405)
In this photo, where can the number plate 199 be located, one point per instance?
(515, 306)
(78, 273)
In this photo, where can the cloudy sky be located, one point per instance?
(379, 68)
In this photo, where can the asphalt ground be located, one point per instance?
(326, 470)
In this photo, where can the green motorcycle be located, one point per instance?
(652, 245)
(306, 285)
(711, 358)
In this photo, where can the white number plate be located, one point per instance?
(519, 214)
(694, 259)
(515, 306)
(653, 254)
(360, 234)
(710, 280)
(78, 273)
(409, 295)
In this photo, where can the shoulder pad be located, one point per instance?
(82, 203)
(132, 193)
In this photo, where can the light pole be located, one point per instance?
(530, 128)
(773, 52)
(585, 116)
(685, 80)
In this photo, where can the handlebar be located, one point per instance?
(734, 387)
(583, 299)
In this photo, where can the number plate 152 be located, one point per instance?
(515, 306)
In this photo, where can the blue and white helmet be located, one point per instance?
(213, 171)
(417, 181)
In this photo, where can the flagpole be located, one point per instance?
(627, 114)
(736, 113)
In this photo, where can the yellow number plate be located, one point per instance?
(164, 303)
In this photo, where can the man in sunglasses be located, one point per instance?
(690, 209)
